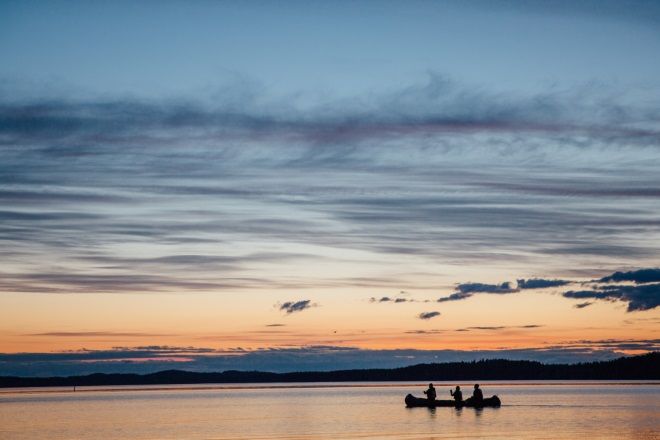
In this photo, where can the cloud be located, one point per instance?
(121, 283)
(539, 283)
(275, 325)
(156, 349)
(27, 197)
(498, 327)
(428, 315)
(296, 306)
(147, 359)
(389, 299)
(579, 189)
(644, 297)
(614, 344)
(455, 297)
(424, 332)
(486, 288)
(639, 297)
(582, 305)
(63, 334)
(466, 290)
(636, 276)
(87, 180)
(437, 106)
(52, 216)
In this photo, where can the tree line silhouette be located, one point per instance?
(645, 366)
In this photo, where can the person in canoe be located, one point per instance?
(457, 394)
(430, 393)
(477, 395)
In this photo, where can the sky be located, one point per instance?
(316, 185)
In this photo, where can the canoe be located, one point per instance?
(412, 401)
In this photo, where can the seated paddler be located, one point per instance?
(430, 393)
(457, 394)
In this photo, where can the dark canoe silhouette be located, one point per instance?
(412, 401)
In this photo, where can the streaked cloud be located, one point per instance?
(94, 334)
(582, 305)
(428, 315)
(449, 181)
(498, 327)
(425, 332)
(438, 106)
(153, 358)
(539, 283)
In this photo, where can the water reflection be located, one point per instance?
(563, 412)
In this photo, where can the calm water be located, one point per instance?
(543, 410)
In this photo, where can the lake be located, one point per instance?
(539, 410)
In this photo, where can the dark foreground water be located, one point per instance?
(541, 410)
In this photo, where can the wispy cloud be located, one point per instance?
(438, 106)
(425, 332)
(145, 359)
(93, 334)
(457, 175)
(498, 327)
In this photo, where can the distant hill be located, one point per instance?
(646, 366)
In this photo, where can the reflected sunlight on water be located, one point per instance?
(542, 410)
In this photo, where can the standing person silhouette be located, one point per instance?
(457, 394)
(430, 393)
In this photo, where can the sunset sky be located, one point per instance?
(318, 185)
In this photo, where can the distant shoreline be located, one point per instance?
(644, 367)
(310, 385)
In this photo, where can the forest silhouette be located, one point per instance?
(643, 367)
